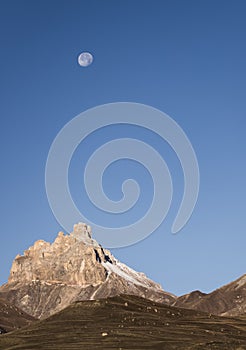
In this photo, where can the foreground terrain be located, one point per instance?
(128, 322)
(12, 318)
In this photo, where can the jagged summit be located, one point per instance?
(50, 276)
(82, 233)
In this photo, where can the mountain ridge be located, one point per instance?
(228, 300)
(48, 277)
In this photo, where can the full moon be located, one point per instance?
(85, 59)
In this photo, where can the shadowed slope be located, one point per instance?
(129, 322)
(11, 317)
(229, 300)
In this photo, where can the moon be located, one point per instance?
(85, 59)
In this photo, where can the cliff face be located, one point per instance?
(49, 277)
(67, 260)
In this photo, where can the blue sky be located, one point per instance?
(186, 58)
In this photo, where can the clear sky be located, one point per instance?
(186, 58)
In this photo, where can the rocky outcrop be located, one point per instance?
(2, 330)
(49, 277)
(229, 300)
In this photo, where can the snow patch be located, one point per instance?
(117, 269)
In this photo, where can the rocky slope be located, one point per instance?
(129, 322)
(229, 300)
(49, 277)
(11, 317)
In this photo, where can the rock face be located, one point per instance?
(49, 277)
(229, 300)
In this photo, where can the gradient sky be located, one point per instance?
(186, 58)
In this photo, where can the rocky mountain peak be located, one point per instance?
(50, 276)
(74, 259)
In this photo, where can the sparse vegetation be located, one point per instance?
(129, 322)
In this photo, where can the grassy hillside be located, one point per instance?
(128, 322)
